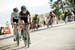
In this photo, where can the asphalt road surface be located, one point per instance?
(56, 38)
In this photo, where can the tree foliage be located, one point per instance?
(59, 4)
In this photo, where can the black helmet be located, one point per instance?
(50, 12)
(15, 9)
(23, 8)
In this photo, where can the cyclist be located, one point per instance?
(44, 19)
(14, 20)
(38, 22)
(25, 16)
(35, 21)
(51, 18)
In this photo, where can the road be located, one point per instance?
(56, 38)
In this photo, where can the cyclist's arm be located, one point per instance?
(54, 15)
(29, 17)
(12, 15)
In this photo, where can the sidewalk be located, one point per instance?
(41, 28)
(5, 36)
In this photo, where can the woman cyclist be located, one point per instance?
(14, 20)
(25, 16)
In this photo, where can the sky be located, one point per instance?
(34, 6)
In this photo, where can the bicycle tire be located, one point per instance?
(17, 37)
(25, 38)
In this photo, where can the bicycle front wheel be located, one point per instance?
(26, 38)
(17, 37)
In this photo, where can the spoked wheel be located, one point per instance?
(17, 37)
(26, 38)
(17, 42)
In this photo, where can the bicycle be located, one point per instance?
(50, 22)
(25, 36)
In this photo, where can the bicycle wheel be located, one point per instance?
(51, 21)
(47, 25)
(26, 38)
(17, 37)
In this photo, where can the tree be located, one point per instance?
(71, 2)
(59, 4)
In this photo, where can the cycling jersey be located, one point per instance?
(15, 17)
(24, 16)
(51, 15)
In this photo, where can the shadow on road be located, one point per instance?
(8, 46)
(12, 47)
(19, 48)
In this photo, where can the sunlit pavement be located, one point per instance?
(56, 38)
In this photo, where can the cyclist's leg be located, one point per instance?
(25, 36)
(27, 27)
(38, 23)
(28, 35)
(56, 20)
(34, 25)
(31, 25)
(15, 21)
(20, 26)
(48, 23)
(18, 32)
(51, 21)
(14, 32)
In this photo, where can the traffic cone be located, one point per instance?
(9, 31)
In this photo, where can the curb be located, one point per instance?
(2, 37)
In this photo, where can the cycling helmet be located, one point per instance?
(23, 8)
(15, 9)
